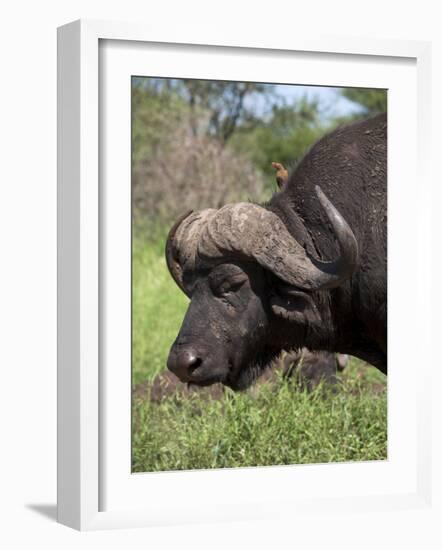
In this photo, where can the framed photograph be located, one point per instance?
(223, 281)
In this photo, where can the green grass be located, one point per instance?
(273, 424)
(158, 307)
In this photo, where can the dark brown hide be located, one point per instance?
(307, 269)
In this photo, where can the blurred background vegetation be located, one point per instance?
(203, 143)
(199, 144)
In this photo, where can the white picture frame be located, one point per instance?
(84, 465)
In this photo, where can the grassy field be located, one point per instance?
(275, 423)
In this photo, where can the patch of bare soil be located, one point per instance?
(308, 369)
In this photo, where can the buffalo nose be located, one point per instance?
(183, 363)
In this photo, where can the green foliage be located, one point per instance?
(250, 117)
(175, 167)
(154, 117)
(271, 424)
(371, 101)
(284, 136)
(248, 120)
(215, 107)
(158, 305)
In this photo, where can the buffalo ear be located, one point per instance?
(294, 305)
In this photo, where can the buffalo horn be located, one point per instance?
(172, 261)
(251, 232)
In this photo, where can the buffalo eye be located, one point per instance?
(231, 286)
(223, 287)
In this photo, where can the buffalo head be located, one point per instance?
(247, 277)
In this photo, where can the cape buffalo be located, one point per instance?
(307, 269)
